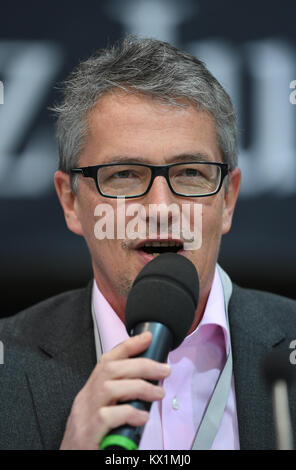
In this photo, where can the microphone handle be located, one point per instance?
(128, 437)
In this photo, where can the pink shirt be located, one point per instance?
(195, 368)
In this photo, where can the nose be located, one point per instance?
(161, 208)
(159, 192)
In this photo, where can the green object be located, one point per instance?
(117, 440)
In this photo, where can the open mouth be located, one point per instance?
(157, 248)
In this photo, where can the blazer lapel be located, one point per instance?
(67, 342)
(252, 336)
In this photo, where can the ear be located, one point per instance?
(230, 198)
(68, 201)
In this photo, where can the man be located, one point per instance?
(128, 111)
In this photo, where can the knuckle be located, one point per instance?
(107, 388)
(102, 361)
(107, 368)
(102, 415)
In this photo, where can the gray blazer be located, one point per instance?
(49, 353)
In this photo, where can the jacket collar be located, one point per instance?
(65, 337)
(251, 319)
(253, 333)
(65, 324)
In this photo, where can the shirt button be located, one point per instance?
(175, 403)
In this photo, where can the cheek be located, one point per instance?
(87, 220)
(93, 212)
(99, 221)
(212, 222)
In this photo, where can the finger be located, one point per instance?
(111, 417)
(133, 368)
(114, 391)
(129, 348)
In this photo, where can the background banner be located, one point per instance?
(249, 46)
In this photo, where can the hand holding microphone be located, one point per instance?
(123, 377)
(163, 300)
(119, 376)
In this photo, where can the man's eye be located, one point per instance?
(190, 173)
(123, 174)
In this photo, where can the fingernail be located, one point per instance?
(160, 392)
(165, 369)
(145, 414)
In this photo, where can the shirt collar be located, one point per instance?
(113, 331)
(214, 313)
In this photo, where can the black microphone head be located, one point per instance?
(277, 366)
(165, 291)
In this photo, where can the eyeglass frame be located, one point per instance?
(156, 170)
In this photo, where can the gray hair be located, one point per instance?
(152, 68)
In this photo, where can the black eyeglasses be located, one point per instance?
(130, 180)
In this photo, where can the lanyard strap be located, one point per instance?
(210, 423)
(211, 420)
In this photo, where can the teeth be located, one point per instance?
(168, 243)
(155, 254)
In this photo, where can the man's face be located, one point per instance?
(142, 130)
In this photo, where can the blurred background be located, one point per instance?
(249, 46)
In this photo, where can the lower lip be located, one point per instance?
(146, 257)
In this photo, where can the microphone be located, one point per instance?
(279, 375)
(163, 300)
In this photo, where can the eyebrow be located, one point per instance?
(197, 157)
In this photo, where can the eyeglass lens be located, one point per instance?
(186, 179)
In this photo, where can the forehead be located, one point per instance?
(126, 124)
